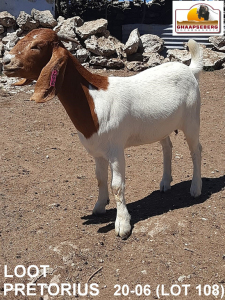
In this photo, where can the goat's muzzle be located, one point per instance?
(10, 67)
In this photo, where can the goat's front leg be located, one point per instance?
(167, 157)
(122, 224)
(101, 172)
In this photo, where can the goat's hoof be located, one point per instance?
(122, 229)
(196, 190)
(99, 209)
(165, 185)
(195, 193)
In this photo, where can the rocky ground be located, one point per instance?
(48, 191)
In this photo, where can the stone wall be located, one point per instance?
(98, 48)
(118, 13)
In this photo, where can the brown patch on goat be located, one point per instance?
(76, 98)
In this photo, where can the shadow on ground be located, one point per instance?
(158, 203)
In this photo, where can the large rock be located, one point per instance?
(153, 59)
(132, 43)
(10, 41)
(68, 27)
(114, 63)
(6, 19)
(100, 46)
(151, 43)
(91, 28)
(44, 17)
(218, 42)
(118, 46)
(71, 46)
(136, 66)
(10, 37)
(213, 60)
(82, 55)
(26, 22)
(182, 56)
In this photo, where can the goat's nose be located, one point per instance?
(7, 58)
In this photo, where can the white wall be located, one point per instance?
(15, 6)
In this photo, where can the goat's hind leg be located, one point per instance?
(192, 136)
(101, 172)
(167, 157)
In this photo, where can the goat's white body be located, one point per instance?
(144, 108)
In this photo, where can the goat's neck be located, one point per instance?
(76, 99)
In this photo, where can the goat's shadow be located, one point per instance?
(158, 203)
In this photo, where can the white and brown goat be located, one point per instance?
(112, 113)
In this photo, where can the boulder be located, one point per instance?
(153, 59)
(91, 28)
(118, 46)
(114, 63)
(71, 46)
(182, 56)
(6, 19)
(10, 41)
(26, 22)
(82, 55)
(100, 46)
(132, 43)
(136, 66)
(218, 42)
(213, 60)
(151, 43)
(45, 18)
(68, 27)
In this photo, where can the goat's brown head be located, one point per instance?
(40, 56)
(30, 54)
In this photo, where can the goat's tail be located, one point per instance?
(196, 57)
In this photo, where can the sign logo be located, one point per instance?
(201, 18)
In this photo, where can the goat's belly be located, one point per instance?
(147, 131)
(147, 137)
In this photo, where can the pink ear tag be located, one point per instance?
(53, 77)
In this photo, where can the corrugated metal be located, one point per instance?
(177, 42)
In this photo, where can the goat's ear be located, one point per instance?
(51, 77)
(23, 82)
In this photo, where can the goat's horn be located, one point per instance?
(64, 38)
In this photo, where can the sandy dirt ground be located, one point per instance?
(48, 191)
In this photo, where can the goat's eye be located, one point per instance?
(35, 47)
